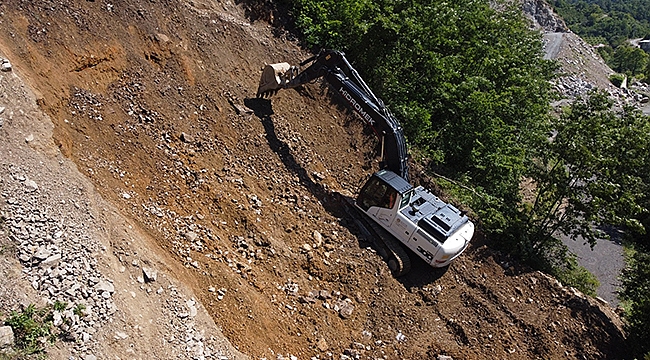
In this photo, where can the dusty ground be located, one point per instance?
(153, 102)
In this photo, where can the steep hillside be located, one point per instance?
(237, 198)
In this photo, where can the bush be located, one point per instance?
(617, 79)
(32, 328)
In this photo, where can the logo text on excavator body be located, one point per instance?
(357, 107)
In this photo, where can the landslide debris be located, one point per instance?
(154, 102)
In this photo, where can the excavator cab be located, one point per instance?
(383, 196)
(383, 190)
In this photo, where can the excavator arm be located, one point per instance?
(332, 66)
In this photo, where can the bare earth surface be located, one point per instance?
(132, 144)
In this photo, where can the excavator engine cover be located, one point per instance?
(274, 76)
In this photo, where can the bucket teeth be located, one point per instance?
(274, 77)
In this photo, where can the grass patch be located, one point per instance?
(32, 328)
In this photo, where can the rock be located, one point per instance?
(150, 275)
(6, 336)
(310, 297)
(186, 138)
(51, 261)
(324, 295)
(191, 305)
(42, 253)
(119, 335)
(6, 65)
(444, 357)
(322, 344)
(2, 109)
(193, 311)
(344, 307)
(29, 138)
(85, 337)
(105, 286)
(318, 238)
(400, 337)
(90, 357)
(162, 38)
(191, 236)
(31, 185)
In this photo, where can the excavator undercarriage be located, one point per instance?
(383, 242)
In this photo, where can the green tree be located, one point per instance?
(467, 81)
(635, 284)
(630, 60)
(593, 172)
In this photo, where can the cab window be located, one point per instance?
(377, 193)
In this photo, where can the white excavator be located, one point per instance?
(392, 210)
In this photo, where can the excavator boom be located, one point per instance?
(334, 68)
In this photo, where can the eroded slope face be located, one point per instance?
(154, 102)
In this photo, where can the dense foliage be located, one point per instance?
(612, 24)
(467, 82)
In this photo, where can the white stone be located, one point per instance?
(150, 275)
(105, 286)
(191, 236)
(193, 311)
(6, 336)
(42, 253)
(51, 261)
(318, 238)
(57, 319)
(400, 337)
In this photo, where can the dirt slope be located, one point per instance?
(154, 103)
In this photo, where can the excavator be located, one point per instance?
(388, 208)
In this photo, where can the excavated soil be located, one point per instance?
(154, 102)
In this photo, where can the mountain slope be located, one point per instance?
(239, 198)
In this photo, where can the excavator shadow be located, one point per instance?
(336, 204)
(421, 274)
(263, 110)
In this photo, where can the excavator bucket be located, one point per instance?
(274, 77)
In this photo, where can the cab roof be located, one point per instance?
(393, 180)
